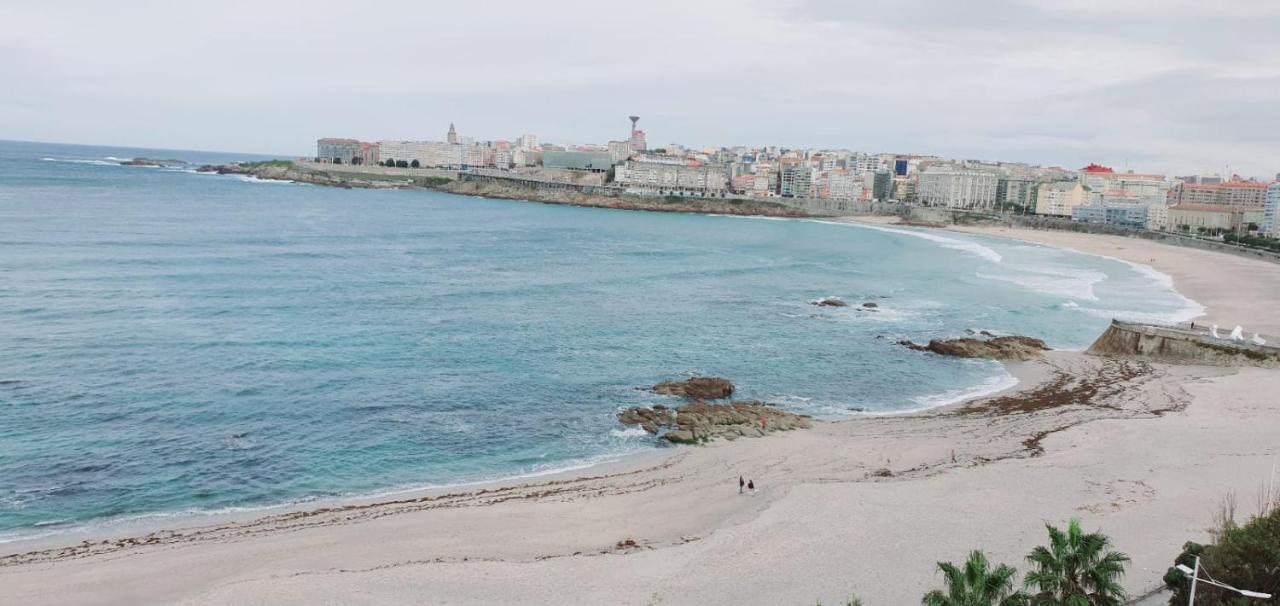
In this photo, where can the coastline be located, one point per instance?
(566, 525)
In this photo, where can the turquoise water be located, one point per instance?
(177, 343)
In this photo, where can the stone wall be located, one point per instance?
(1181, 345)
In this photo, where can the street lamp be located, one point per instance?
(1194, 573)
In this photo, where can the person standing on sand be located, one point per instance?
(751, 485)
(740, 484)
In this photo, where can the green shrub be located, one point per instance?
(1245, 556)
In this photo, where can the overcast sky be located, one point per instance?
(1155, 85)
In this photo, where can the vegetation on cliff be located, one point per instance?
(1245, 556)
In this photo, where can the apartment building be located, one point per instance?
(955, 187)
(643, 176)
(1059, 199)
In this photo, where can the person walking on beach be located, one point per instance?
(751, 485)
(741, 483)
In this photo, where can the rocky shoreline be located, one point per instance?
(288, 171)
(1004, 349)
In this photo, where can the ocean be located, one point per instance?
(179, 344)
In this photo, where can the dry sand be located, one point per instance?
(1141, 451)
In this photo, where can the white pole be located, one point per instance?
(1195, 575)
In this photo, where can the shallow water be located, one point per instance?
(175, 342)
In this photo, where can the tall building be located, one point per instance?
(452, 137)
(527, 142)
(1271, 214)
(882, 186)
(844, 184)
(955, 187)
(796, 181)
(337, 151)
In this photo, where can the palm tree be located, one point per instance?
(976, 585)
(1076, 569)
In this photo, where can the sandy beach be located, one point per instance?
(1142, 451)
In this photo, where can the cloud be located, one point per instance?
(1178, 86)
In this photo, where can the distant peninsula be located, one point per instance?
(492, 184)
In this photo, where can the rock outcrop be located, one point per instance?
(697, 388)
(829, 302)
(1005, 349)
(153, 162)
(701, 422)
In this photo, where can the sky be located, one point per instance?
(1170, 86)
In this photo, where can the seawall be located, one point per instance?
(1182, 345)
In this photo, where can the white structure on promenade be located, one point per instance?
(955, 187)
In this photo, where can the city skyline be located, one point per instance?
(1177, 88)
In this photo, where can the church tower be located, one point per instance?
(453, 135)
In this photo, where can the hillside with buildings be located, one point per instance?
(825, 181)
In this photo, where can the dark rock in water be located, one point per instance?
(870, 305)
(986, 333)
(697, 388)
(700, 422)
(1016, 349)
(829, 302)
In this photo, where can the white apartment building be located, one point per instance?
(527, 142)
(435, 153)
(796, 181)
(408, 151)
(954, 187)
(619, 150)
(664, 177)
(1271, 212)
(844, 185)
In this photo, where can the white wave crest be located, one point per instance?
(630, 432)
(1075, 284)
(253, 179)
(756, 217)
(966, 246)
(990, 386)
(81, 161)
